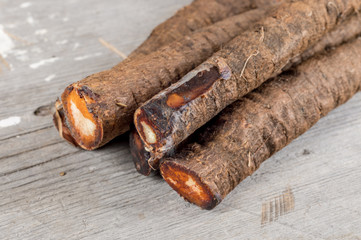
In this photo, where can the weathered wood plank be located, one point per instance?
(101, 196)
(309, 190)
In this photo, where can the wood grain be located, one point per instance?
(101, 196)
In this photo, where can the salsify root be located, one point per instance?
(199, 14)
(101, 106)
(344, 32)
(263, 122)
(239, 67)
(186, 20)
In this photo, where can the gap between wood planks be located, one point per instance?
(30, 150)
(26, 133)
(44, 110)
(38, 164)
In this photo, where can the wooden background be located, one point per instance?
(309, 190)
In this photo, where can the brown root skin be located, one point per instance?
(344, 32)
(263, 122)
(252, 58)
(199, 14)
(139, 154)
(121, 90)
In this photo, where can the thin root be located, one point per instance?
(121, 104)
(16, 38)
(112, 48)
(332, 4)
(4, 62)
(60, 125)
(262, 35)
(245, 64)
(249, 159)
(150, 165)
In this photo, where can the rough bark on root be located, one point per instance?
(344, 32)
(198, 14)
(250, 130)
(191, 18)
(108, 99)
(239, 67)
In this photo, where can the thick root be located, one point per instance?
(242, 65)
(252, 129)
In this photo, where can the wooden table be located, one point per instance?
(51, 190)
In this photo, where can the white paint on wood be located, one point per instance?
(20, 54)
(84, 57)
(30, 20)
(10, 121)
(41, 32)
(6, 44)
(43, 62)
(50, 77)
(25, 5)
(62, 42)
(76, 45)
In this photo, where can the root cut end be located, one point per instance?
(146, 129)
(139, 153)
(84, 125)
(188, 185)
(149, 134)
(60, 124)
